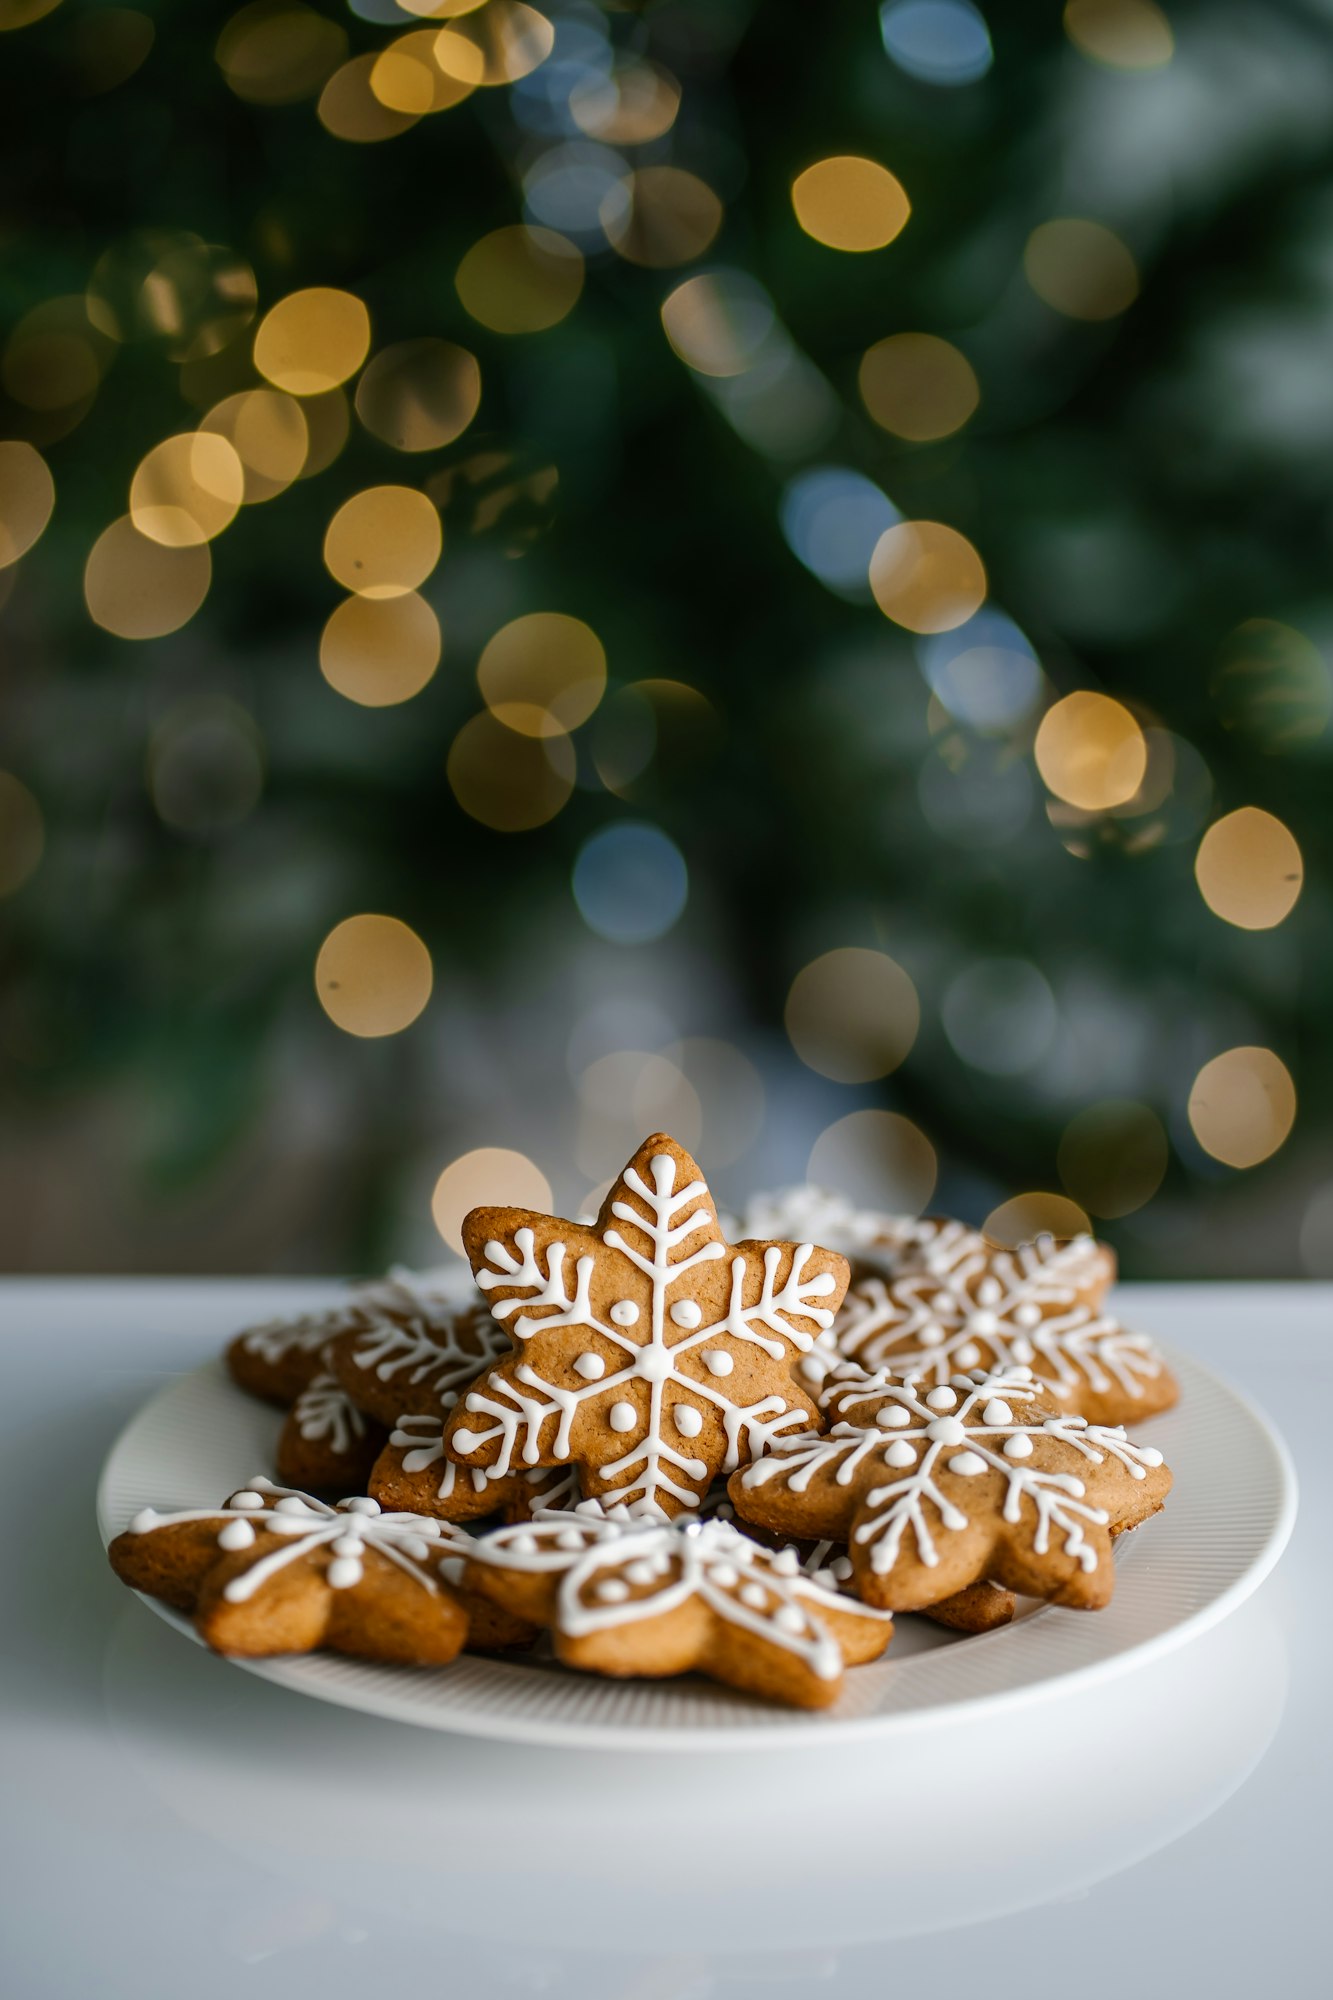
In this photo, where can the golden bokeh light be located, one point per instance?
(717, 322)
(187, 489)
(927, 577)
(1090, 751)
(328, 420)
(542, 674)
(1113, 1156)
(439, 10)
(373, 976)
(406, 78)
(490, 1177)
(270, 435)
(633, 104)
(379, 651)
(167, 285)
(350, 110)
(661, 216)
(1081, 269)
(878, 1159)
(312, 340)
(27, 498)
(499, 44)
(383, 541)
(850, 203)
(625, 1094)
(1123, 34)
(1242, 1106)
(1249, 869)
(141, 589)
(1025, 1216)
(917, 386)
(507, 781)
(53, 363)
(420, 394)
(22, 833)
(22, 13)
(279, 51)
(520, 279)
(852, 1014)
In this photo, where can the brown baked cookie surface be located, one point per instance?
(273, 1571)
(970, 1305)
(980, 1607)
(646, 1349)
(414, 1474)
(281, 1357)
(414, 1364)
(935, 1488)
(627, 1595)
(327, 1445)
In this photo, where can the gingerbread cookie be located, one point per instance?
(279, 1358)
(412, 1473)
(973, 1306)
(629, 1595)
(273, 1571)
(414, 1364)
(983, 1478)
(327, 1445)
(647, 1350)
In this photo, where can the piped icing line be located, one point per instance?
(556, 1297)
(445, 1353)
(969, 1304)
(617, 1568)
(272, 1340)
(421, 1441)
(325, 1414)
(966, 1427)
(347, 1530)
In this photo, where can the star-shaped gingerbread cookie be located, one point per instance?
(967, 1304)
(982, 1478)
(274, 1571)
(646, 1349)
(626, 1595)
(413, 1474)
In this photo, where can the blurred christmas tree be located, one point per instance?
(744, 567)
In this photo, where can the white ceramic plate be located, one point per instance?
(1227, 1522)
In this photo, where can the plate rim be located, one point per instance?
(804, 1729)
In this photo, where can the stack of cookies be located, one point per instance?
(672, 1451)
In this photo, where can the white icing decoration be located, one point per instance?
(972, 1304)
(688, 1420)
(307, 1524)
(625, 1312)
(421, 1441)
(590, 1366)
(686, 1313)
(1056, 1498)
(325, 1414)
(661, 1219)
(671, 1562)
(941, 1399)
(444, 1353)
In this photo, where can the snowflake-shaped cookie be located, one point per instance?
(648, 1350)
(416, 1364)
(327, 1444)
(280, 1357)
(628, 1595)
(413, 1473)
(984, 1477)
(275, 1571)
(971, 1305)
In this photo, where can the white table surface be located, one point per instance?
(171, 1826)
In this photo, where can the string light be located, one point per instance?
(1242, 1106)
(139, 588)
(27, 499)
(1123, 34)
(852, 1014)
(1249, 869)
(373, 976)
(312, 340)
(542, 674)
(384, 541)
(917, 386)
(378, 651)
(1025, 1216)
(520, 279)
(1090, 751)
(850, 203)
(489, 1177)
(1081, 268)
(927, 577)
(419, 395)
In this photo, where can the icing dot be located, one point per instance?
(893, 1417)
(717, 1361)
(640, 1572)
(812, 1370)
(933, 1336)
(989, 1292)
(569, 1538)
(362, 1505)
(686, 1313)
(840, 1568)
(236, 1535)
(1018, 1446)
(688, 1421)
(590, 1366)
(754, 1595)
(1150, 1454)
(524, 1545)
(946, 1430)
(1022, 1350)
(624, 1312)
(786, 1562)
(623, 1417)
(941, 1399)
(613, 1591)
(344, 1572)
(290, 1503)
(654, 1363)
(416, 1547)
(900, 1453)
(350, 1545)
(1027, 1315)
(997, 1412)
(249, 1501)
(725, 1574)
(968, 1354)
(789, 1619)
(967, 1464)
(983, 1324)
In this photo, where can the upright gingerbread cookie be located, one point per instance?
(647, 1350)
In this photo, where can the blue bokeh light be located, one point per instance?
(984, 672)
(945, 42)
(832, 518)
(630, 882)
